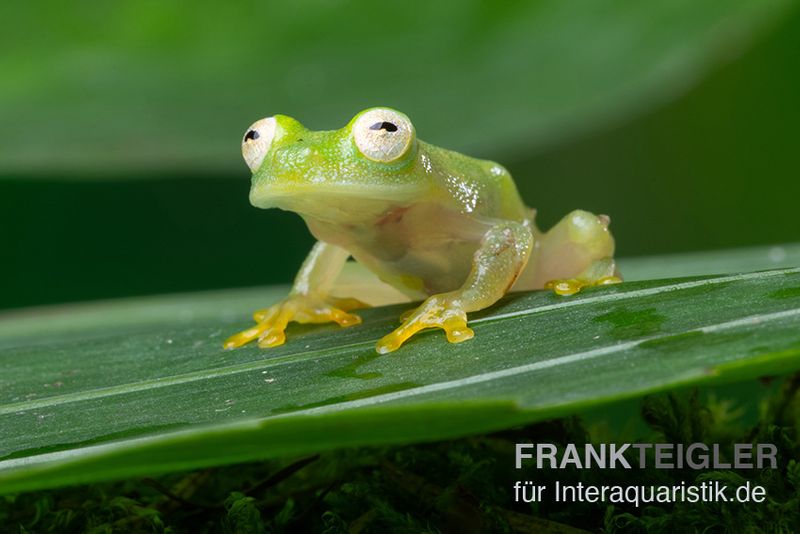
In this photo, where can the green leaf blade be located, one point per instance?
(133, 396)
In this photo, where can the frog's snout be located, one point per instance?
(295, 156)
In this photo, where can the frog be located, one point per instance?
(427, 224)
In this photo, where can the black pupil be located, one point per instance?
(388, 126)
(252, 134)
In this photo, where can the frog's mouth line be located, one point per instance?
(292, 197)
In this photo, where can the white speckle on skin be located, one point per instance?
(169, 342)
(777, 254)
(426, 163)
(496, 170)
(466, 194)
(269, 380)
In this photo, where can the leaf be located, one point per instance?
(142, 386)
(120, 87)
(739, 260)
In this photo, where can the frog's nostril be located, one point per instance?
(251, 135)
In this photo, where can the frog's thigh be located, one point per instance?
(498, 262)
(569, 249)
(576, 253)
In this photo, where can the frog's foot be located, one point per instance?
(271, 322)
(600, 273)
(438, 311)
(571, 286)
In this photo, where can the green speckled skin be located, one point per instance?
(431, 223)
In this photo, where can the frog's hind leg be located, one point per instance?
(576, 253)
(498, 262)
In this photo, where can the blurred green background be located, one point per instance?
(120, 122)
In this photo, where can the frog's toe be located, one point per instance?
(457, 330)
(327, 314)
(341, 317)
(389, 343)
(565, 287)
(268, 330)
(347, 319)
(273, 337)
(245, 336)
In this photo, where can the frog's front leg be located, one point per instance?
(503, 253)
(308, 301)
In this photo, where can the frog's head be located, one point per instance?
(369, 164)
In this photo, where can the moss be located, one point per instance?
(453, 486)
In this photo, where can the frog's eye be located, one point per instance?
(383, 134)
(257, 140)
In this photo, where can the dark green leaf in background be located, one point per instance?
(116, 87)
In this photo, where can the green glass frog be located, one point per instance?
(427, 224)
